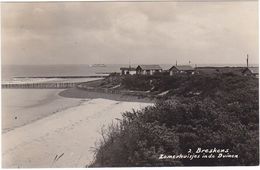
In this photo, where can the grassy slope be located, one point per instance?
(199, 111)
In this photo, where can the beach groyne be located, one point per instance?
(39, 85)
(63, 77)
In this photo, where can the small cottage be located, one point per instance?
(181, 69)
(127, 70)
(148, 69)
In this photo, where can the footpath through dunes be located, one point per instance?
(109, 88)
(82, 93)
(65, 139)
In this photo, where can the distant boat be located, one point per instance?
(97, 65)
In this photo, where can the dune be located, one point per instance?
(82, 94)
(65, 139)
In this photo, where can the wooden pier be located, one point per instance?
(65, 77)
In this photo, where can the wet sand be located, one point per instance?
(23, 106)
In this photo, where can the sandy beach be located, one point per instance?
(64, 139)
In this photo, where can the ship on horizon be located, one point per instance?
(97, 65)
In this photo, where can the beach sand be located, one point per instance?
(64, 139)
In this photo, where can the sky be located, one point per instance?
(122, 32)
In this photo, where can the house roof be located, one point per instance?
(127, 68)
(150, 67)
(182, 68)
(254, 70)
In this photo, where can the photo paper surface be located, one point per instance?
(129, 84)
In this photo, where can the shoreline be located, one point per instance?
(39, 104)
(42, 117)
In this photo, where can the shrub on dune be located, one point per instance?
(226, 117)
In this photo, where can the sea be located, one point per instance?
(10, 72)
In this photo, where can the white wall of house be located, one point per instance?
(132, 72)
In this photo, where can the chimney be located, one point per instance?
(247, 60)
(176, 63)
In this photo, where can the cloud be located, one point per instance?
(149, 32)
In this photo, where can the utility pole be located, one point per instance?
(247, 58)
